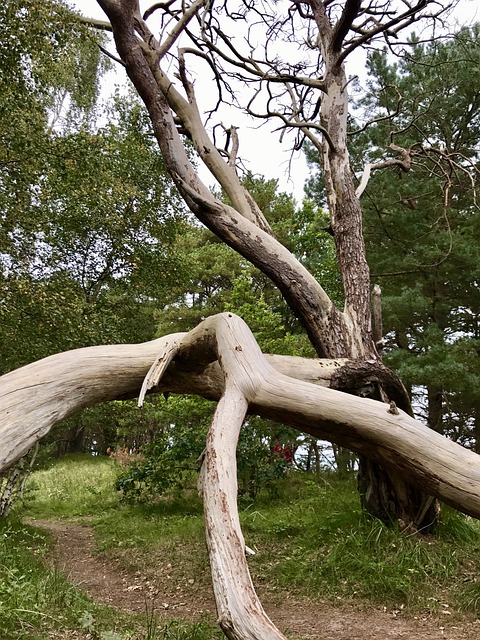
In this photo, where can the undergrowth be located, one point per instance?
(324, 546)
(72, 486)
(310, 539)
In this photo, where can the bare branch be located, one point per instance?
(102, 25)
(111, 55)
(163, 6)
(350, 12)
(405, 163)
(179, 27)
(391, 27)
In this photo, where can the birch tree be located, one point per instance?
(347, 395)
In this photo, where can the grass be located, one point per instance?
(36, 601)
(325, 547)
(33, 599)
(71, 487)
(311, 540)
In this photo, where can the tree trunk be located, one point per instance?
(384, 495)
(316, 449)
(342, 460)
(435, 409)
(242, 225)
(72, 440)
(15, 480)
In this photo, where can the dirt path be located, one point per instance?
(106, 582)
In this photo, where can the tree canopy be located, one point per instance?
(88, 211)
(421, 226)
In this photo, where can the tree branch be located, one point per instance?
(102, 25)
(405, 164)
(349, 13)
(35, 397)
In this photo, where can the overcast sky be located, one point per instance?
(261, 149)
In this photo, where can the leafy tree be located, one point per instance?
(47, 60)
(170, 460)
(107, 218)
(88, 213)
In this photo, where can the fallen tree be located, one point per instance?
(406, 463)
(303, 89)
(221, 360)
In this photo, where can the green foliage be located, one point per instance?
(45, 57)
(169, 461)
(106, 219)
(313, 244)
(355, 557)
(88, 215)
(183, 631)
(266, 323)
(264, 457)
(38, 602)
(421, 226)
(212, 279)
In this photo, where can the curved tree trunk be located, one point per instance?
(221, 359)
(294, 391)
(241, 225)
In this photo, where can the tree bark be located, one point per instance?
(383, 493)
(13, 486)
(435, 408)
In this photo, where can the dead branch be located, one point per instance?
(37, 396)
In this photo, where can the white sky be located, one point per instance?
(261, 149)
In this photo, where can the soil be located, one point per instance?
(175, 596)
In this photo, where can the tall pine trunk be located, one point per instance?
(384, 493)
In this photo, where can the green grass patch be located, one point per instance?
(33, 598)
(147, 540)
(322, 545)
(76, 485)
